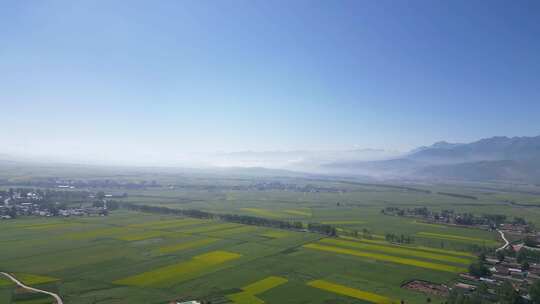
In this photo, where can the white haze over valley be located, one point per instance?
(304, 160)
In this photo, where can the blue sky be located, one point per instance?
(156, 78)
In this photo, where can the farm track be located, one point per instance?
(20, 284)
(506, 243)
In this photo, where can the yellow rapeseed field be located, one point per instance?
(248, 295)
(264, 285)
(101, 232)
(143, 235)
(398, 251)
(421, 248)
(351, 292)
(186, 245)
(244, 298)
(274, 234)
(386, 258)
(305, 212)
(28, 279)
(180, 272)
(51, 226)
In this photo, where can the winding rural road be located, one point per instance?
(506, 243)
(55, 296)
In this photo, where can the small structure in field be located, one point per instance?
(427, 287)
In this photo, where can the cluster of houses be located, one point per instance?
(507, 270)
(31, 209)
(32, 204)
(452, 218)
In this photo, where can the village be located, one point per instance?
(469, 220)
(25, 202)
(512, 268)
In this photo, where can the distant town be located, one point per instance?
(514, 267)
(17, 202)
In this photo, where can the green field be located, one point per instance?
(135, 257)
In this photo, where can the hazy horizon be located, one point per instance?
(134, 82)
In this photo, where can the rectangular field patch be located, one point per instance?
(344, 222)
(169, 224)
(452, 237)
(351, 292)
(420, 248)
(186, 245)
(275, 234)
(101, 232)
(28, 279)
(264, 285)
(306, 212)
(386, 258)
(210, 228)
(180, 272)
(143, 235)
(395, 250)
(262, 212)
(51, 226)
(248, 295)
(232, 231)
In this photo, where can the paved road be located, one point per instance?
(55, 296)
(506, 243)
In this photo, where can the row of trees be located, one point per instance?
(235, 218)
(449, 216)
(366, 234)
(401, 239)
(164, 210)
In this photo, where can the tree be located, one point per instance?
(507, 293)
(456, 297)
(12, 212)
(478, 269)
(500, 255)
(482, 257)
(482, 290)
(534, 292)
(519, 221)
(366, 233)
(530, 242)
(100, 195)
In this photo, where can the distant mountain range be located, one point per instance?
(495, 158)
(514, 159)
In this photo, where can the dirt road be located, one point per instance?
(506, 243)
(55, 296)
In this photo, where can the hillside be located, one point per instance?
(495, 158)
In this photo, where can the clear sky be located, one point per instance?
(132, 79)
